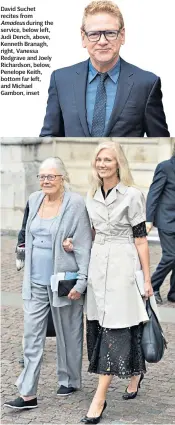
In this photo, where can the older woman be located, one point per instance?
(115, 308)
(55, 213)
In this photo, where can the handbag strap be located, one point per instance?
(148, 306)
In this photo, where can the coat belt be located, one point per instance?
(101, 239)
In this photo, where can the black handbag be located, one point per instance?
(65, 287)
(153, 341)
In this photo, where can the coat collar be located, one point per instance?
(120, 187)
(173, 161)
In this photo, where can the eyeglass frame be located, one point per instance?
(46, 177)
(100, 34)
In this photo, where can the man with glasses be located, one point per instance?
(104, 95)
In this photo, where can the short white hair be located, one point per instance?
(56, 162)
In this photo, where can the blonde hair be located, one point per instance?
(56, 162)
(123, 170)
(102, 6)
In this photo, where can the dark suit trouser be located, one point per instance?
(167, 262)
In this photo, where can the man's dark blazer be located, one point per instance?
(137, 110)
(160, 205)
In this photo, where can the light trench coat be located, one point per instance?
(113, 297)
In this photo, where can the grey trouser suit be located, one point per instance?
(68, 322)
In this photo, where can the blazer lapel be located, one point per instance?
(125, 84)
(80, 82)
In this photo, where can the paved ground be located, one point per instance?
(155, 403)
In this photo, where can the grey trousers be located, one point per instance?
(68, 322)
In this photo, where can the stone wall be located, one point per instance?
(21, 158)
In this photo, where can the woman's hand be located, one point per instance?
(148, 289)
(68, 245)
(149, 226)
(74, 295)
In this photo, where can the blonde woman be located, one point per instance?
(115, 308)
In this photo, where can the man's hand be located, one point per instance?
(68, 245)
(149, 226)
(74, 295)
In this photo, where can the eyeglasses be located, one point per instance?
(49, 177)
(96, 35)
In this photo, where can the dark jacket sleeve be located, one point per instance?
(53, 122)
(155, 191)
(21, 235)
(155, 120)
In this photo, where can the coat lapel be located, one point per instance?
(125, 84)
(80, 82)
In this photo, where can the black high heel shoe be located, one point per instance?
(87, 420)
(128, 396)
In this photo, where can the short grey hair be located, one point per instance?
(56, 162)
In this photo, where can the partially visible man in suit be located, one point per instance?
(160, 212)
(104, 95)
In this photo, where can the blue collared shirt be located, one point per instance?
(111, 84)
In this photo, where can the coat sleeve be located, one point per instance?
(136, 210)
(53, 122)
(21, 234)
(82, 242)
(155, 191)
(154, 119)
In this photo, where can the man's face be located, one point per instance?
(103, 52)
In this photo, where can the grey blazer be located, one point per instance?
(160, 205)
(73, 221)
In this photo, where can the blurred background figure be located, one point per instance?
(160, 212)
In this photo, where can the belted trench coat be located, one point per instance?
(113, 297)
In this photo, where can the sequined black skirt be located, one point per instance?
(115, 351)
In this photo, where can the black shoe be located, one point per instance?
(62, 391)
(19, 403)
(171, 297)
(128, 396)
(87, 420)
(21, 362)
(158, 297)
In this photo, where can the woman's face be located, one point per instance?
(106, 164)
(50, 180)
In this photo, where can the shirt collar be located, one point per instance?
(120, 187)
(112, 73)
